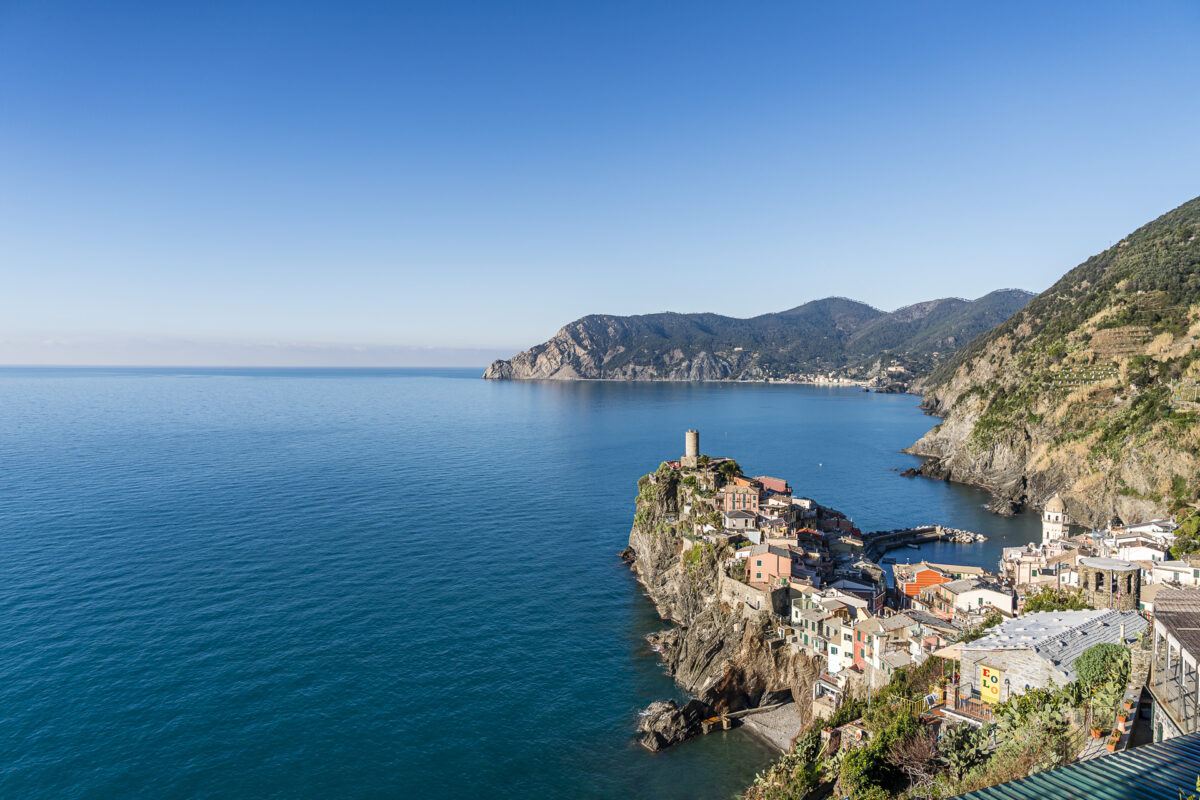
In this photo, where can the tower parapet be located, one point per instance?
(1110, 583)
(691, 449)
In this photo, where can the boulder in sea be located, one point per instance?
(665, 723)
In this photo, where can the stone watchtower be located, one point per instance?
(691, 449)
(1110, 583)
(1055, 522)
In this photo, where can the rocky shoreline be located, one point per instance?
(1020, 470)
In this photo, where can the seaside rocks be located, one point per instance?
(1003, 506)
(665, 723)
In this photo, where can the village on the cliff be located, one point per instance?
(820, 584)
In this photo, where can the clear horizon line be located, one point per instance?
(242, 366)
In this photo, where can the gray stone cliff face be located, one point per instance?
(1024, 466)
(590, 348)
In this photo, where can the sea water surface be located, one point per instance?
(379, 583)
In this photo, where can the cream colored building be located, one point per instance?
(1055, 522)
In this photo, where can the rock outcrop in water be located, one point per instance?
(665, 723)
(720, 656)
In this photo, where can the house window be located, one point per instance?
(758, 563)
(758, 576)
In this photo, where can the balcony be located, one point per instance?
(968, 708)
(1175, 691)
(974, 707)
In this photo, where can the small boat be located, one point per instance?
(887, 561)
(912, 546)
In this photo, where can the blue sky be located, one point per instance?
(423, 183)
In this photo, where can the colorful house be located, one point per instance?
(737, 497)
(777, 485)
(912, 579)
(768, 565)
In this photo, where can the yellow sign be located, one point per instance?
(989, 684)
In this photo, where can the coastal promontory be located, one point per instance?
(834, 336)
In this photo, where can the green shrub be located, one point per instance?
(1103, 671)
(981, 630)
(1050, 599)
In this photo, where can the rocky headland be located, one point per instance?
(725, 659)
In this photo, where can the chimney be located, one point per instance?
(1122, 633)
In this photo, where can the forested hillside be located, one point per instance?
(1090, 390)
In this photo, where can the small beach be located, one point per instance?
(779, 727)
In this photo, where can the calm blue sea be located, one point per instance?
(378, 583)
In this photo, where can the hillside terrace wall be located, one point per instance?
(750, 601)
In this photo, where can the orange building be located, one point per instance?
(918, 578)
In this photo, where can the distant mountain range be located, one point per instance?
(837, 335)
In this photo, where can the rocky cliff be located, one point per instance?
(834, 334)
(721, 657)
(1088, 391)
(599, 346)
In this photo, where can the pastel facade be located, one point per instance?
(768, 565)
(1177, 573)
(739, 520)
(1055, 522)
(777, 485)
(740, 498)
(914, 579)
(966, 597)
